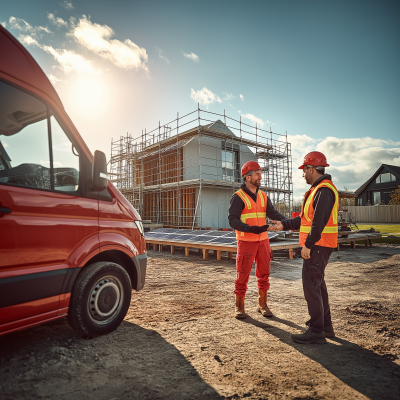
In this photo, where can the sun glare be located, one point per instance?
(91, 95)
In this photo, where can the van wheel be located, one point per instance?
(100, 298)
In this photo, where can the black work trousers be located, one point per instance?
(315, 290)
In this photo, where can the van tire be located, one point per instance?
(100, 299)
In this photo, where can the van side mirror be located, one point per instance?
(99, 171)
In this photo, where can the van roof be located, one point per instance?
(17, 62)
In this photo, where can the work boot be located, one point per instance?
(309, 337)
(328, 330)
(239, 308)
(262, 304)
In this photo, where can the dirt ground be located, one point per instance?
(180, 341)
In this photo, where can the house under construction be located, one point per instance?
(183, 174)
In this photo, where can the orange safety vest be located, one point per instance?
(253, 214)
(330, 233)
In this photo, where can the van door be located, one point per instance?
(43, 217)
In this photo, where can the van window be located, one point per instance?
(65, 159)
(24, 145)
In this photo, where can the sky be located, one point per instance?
(324, 72)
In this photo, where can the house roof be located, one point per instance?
(395, 170)
(218, 125)
(174, 146)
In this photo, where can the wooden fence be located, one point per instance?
(375, 213)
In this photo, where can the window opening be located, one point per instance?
(65, 159)
(24, 146)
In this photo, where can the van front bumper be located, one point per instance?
(140, 262)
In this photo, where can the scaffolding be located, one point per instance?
(183, 173)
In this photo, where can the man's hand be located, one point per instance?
(305, 253)
(277, 226)
(258, 229)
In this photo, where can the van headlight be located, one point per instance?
(139, 225)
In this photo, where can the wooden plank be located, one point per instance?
(205, 254)
(230, 255)
(160, 247)
(218, 254)
(154, 246)
(172, 249)
(291, 254)
(187, 251)
(353, 244)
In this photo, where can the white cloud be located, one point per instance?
(67, 4)
(228, 96)
(57, 20)
(22, 25)
(254, 119)
(5, 144)
(54, 79)
(161, 55)
(28, 40)
(43, 29)
(71, 61)
(191, 56)
(3, 23)
(204, 96)
(241, 97)
(97, 38)
(352, 160)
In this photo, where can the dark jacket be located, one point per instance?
(237, 205)
(323, 203)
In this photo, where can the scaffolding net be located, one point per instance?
(182, 174)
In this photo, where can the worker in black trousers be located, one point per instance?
(318, 224)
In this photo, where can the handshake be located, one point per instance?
(277, 226)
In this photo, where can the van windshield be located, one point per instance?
(25, 157)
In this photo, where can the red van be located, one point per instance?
(70, 243)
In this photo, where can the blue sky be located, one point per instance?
(325, 72)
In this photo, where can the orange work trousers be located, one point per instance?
(247, 253)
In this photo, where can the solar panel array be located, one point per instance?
(187, 235)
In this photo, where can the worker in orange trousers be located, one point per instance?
(248, 212)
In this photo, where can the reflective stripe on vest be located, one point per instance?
(311, 198)
(243, 217)
(262, 198)
(329, 234)
(245, 199)
(253, 214)
(327, 229)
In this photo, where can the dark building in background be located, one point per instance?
(379, 187)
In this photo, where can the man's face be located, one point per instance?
(255, 179)
(307, 174)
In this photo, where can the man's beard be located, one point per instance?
(256, 182)
(307, 181)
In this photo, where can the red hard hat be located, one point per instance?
(250, 166)
(315, 158)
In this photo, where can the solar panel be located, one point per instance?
(223, 240)
(192, 238)
(214, 233)
(157, 235)
(167, 230)
(222, 237)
